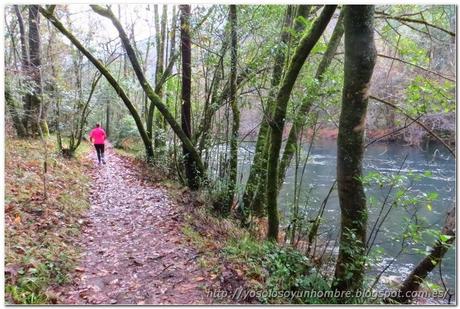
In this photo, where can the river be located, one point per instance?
(386, 159)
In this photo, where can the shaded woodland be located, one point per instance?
(230, 101)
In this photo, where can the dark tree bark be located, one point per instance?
(234, 105)
(277, 121)
(421, 271)
(186, 50)
(107, 119)
(22, 38)
(360, 56)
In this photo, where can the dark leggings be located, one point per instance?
(100, 151)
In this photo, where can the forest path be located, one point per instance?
(132, 245)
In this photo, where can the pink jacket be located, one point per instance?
(97, 135)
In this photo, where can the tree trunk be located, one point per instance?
(151, 93)
(234, 105)
(107, 120)
(151, 109)
(360, 57)
(259, 162)
(37, 112)
(17, 122)
(186, 50)
(213, 101)
(159, 141)
(301, 115)
(277, 121)
(420, 272)
(24, 65)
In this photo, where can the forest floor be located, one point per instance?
(133, 249)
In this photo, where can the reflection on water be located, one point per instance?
(386, 159)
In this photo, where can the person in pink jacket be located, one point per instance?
(97, 137)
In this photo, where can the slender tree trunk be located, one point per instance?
(107, 120)
(161, 47)
(277, 122)
(85, 112)
(160, 123)
(360, 57)
(254, 183)
(213, 101)
(234, 105)
(186, 50)
(172, 44)
(24, 65)
(151, 109)
(291, 144)
(421, 271)
(22, 38)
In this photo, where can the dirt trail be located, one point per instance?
(133, 251)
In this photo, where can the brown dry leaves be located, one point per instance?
(133, 248)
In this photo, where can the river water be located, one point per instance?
(386, 159)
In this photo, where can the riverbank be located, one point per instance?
(411, 136)
(429, 171)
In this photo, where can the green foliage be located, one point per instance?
(284, 269)
(414, 231)
(428, 96)
(126, 135)
(412, 51)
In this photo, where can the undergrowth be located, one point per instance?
(265, 269)
(41, 230)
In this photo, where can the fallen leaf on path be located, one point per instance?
(17, 220)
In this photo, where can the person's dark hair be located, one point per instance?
(97, 125)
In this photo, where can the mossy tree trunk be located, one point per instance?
(37, 110)
(233, 172)
(259, 162)
(17, 122)
(301, 115)
(186, 108)
(360, 57)
(277, 121)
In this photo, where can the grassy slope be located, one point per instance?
(40, 234)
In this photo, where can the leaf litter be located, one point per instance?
(132, 244)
